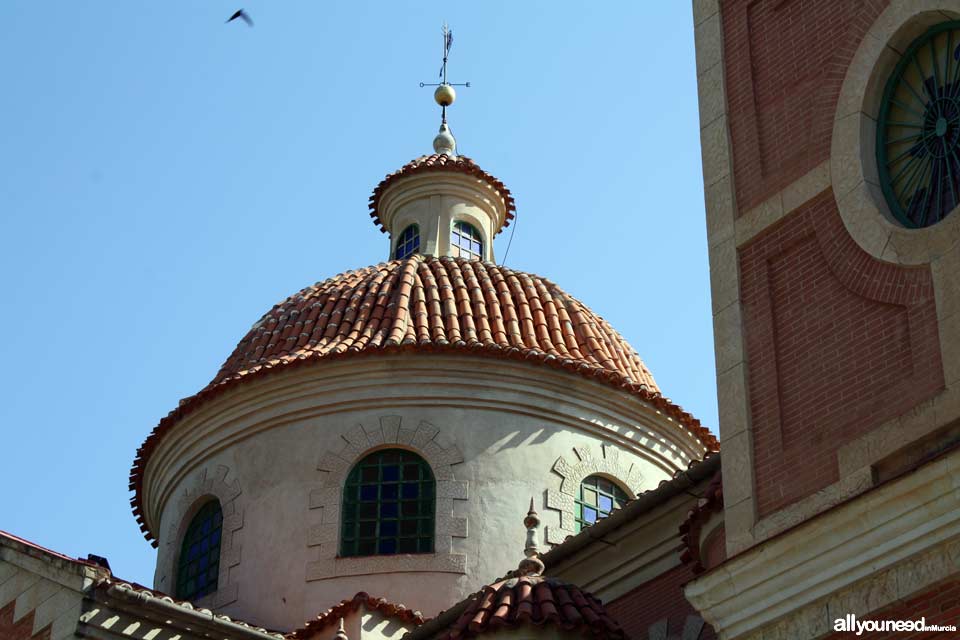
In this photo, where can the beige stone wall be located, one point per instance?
(46, 592)
(434, 201)
(495, 433)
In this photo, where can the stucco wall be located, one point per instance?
(495, 433)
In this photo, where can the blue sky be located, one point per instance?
(166, 178)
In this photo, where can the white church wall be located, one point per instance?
(495, 433)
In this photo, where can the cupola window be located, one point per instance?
(598, 498)
(408, 243)
(465, 241)
(199, 565)
(388, 505)
(918, 129)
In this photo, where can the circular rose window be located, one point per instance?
(918, 129)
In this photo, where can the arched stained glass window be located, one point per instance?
(388, 505)
(598, 498)
(465, 241)
(408, 243)
(199, 566)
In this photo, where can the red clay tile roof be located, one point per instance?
(332, 616)
(537, 601)
(440, 305)
(441, 162)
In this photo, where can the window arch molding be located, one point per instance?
(201, 488)
(325, 506)
(853, 167)
(607, 465)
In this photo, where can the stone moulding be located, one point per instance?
(200, 487)
(562, 499)
(890, 544)
(426, 441)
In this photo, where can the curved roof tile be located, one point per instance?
(441, 162)
(535, 601)
(344, 607)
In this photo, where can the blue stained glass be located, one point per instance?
(606, 503)
(199, 550)
(374, 520)
(589, 514)
(388, 546)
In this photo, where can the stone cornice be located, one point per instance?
(856, 558)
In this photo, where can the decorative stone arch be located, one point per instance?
(200, 487)
(608, 464)
(428, 442)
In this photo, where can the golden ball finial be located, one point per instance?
(444, 95)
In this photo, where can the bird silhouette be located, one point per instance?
(243, 16)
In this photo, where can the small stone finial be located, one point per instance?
(445, 143)
(341, 634)
(531, 565)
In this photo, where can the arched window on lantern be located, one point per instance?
(465, 241)
(408, 242)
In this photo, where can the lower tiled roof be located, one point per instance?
(436, 305)
(332, 615)
(536, 601)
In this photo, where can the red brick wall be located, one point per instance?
(655, 600)
(837, 342)
(785, 62)
(22, 629)
(940, 605)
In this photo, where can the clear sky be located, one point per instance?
(165, 178)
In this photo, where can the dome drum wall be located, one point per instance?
(434, 201)
(494, 431)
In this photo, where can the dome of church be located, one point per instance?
(384, 426)
(438, 304)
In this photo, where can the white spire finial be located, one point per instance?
(341, 634)
(445, 143)
(531, 565)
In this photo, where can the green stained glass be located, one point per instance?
(598, 498)
(918, 129)
(197, 568)
(388, 505)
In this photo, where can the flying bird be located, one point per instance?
(243, 16)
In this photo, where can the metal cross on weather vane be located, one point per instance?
(445, 95)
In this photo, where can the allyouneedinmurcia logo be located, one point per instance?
(850, 624)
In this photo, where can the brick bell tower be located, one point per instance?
(830, 139)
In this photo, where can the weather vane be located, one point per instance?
(445, 94)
